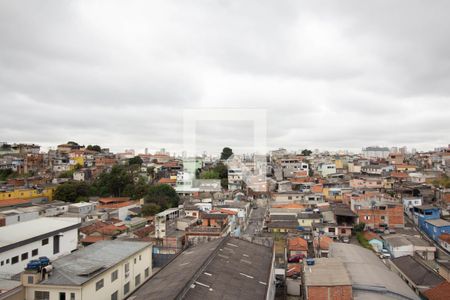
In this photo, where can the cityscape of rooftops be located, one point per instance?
(272, 150)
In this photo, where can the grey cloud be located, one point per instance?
(330, 74)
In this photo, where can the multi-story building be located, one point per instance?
(375, 152)
(103, 271)
(377, 214)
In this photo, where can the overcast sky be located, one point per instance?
(330, 74)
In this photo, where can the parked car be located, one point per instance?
(385, 254)
(296, 258)
(345, 239)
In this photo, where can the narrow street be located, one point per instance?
(256, 221)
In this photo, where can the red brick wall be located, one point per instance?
(393, 216)
(343, 292)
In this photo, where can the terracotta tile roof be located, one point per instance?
(445, 237)
(144, 232)
(300, 180)
(399, 175)
(297, 244)
(117, 205)
(12, 202)
(167, 181)
(289, 205)
(225, 211)
(324, 243)
(113, 200)
(111, 229)
(90, 239)
(439, 292)
(92, 228)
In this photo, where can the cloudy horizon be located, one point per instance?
(329, 75)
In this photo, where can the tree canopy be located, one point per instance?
(72, 191)
(163, 195)
(96, 148)
(306, 152)
(137, 160)
(226, 153)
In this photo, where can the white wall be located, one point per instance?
(21, 217)
(68, 243)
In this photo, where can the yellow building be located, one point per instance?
(339, 163)
(28, 193)
(78, 160)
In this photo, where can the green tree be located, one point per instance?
(163, 195)
(137, 160)
(72, 191)
(226, 153)
(113, 183)
(96, 148)
(72, 143)
(210, 174)
(5, 174)
(150, 209)
(306, 152)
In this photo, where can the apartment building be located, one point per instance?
(106, 270)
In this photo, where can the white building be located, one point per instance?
(21, 242)
(376, 152)
(326, 169)
(82, 208)
(163, 218)
(106, 270)
(409, 204)
(20, 214)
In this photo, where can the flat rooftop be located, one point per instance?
(82, 265)
(438, 222)
(33, 229)
(327, 272)
(370, 277)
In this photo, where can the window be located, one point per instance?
(2, 262)
(44, 242)
(146, 272)
(127, 269)
(34, 252)
(62, 296)
(72, 296)
(99, 284)
(14, 260)
(40, 295)
(30, 279)
(137, 280)
(114, 275)
(140, 257)
(126, 288)
(24, 256)
(7, 261)
(114, 296)
(134, 260)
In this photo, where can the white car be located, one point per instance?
(385, 254)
